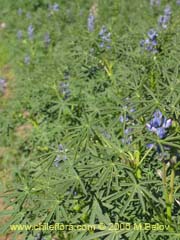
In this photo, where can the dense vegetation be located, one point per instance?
(89, 117)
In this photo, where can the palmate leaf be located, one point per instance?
(52, 211)
(97, 213)
(117, 195)
(64, 214)
(78, 179)
(90, 169)
(133, 192)
(149, 195)
(142, 201)
(105, 174)
(109, 144)
(130, 198)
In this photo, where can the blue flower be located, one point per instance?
(54, 7)
(3, 85)
(167, 11)
(123, 119)
(152, 34)
(90, 22)
(150, 145)
(150, 43)
(127, 139)
(161, 132)
(30, 32)
(105, 37)
(61, 147)
(155, 2)
(106, 134)
(61, 156)
(158, 114)
(64, 89)
(75, 193)
(167, 123)
(163, 20)
(159, 124)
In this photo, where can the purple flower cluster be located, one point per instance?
(150, 43)
(61, 155)
(54, 7)
(90, 22)
(128, 120)
(178, 2)
(123, 119)
(106, 134)
(30, 32)
(64, 89)
(155, 2)
(159, 124)
(3, 86)
(105, 37)
(164, 19)
(127, 139)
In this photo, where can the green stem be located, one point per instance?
(164, 180)
(171, 196)
(166, 197)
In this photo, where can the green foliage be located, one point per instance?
(103, 175)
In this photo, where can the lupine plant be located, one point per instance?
(90, 22)
(178, 2)
(164, 19)
(30, 32)
(105, 37)
(3, 85)
(150, 43)
(155, 2)
(90, 134)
